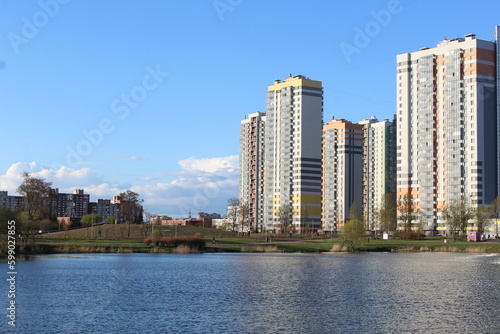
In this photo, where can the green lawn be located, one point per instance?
(113, 239)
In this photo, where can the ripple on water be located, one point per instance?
(260, 293)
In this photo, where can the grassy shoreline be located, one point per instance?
(78, 245)
(113, 241)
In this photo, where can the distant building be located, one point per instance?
(222, 223)
(379, 166)
(72, 206)
(342, 171)
(251, 180)
(105, 208)
(13, 203)
(199, 222)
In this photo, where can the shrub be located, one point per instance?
(191, 241)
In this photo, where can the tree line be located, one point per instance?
(35, 214)
(392, 215)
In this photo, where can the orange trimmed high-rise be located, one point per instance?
(447, 125)
(342, 180)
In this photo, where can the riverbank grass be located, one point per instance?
(78, 241)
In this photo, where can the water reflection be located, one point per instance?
(260, 293)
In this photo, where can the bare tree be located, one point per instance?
(35, 192)
(130, 207)
(495, 208)
(285, 218)
(233, 204)
(244, 215)
(407, 211)
(457, 214)
(387, 214)
(482, 214)
(149, 217)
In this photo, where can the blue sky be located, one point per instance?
(148, 95)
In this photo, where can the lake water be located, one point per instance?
(257, 293)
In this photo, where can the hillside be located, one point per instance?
(137, 231)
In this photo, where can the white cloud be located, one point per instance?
(211, 165)
(64, 178)
(203, 185)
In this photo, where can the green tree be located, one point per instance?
(47, 224)
(91, 219)
(407, 211)
(35, 192)
(26, 228)
(6, 216)
(110, 220)
(457, 215)
(353, 230)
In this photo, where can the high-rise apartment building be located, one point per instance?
(13, 203)
(342, 171)
(447, 114)
(104, 208)
(379, 167)
(75, 205)
(251, 181)
(294, 119)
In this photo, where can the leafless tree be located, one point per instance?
(387, 214)
(482, 214)
(285, 218)
(457, 214)
(233, 204)
(130, 207)
(495, 208)
(244, 215)
(407, 211)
